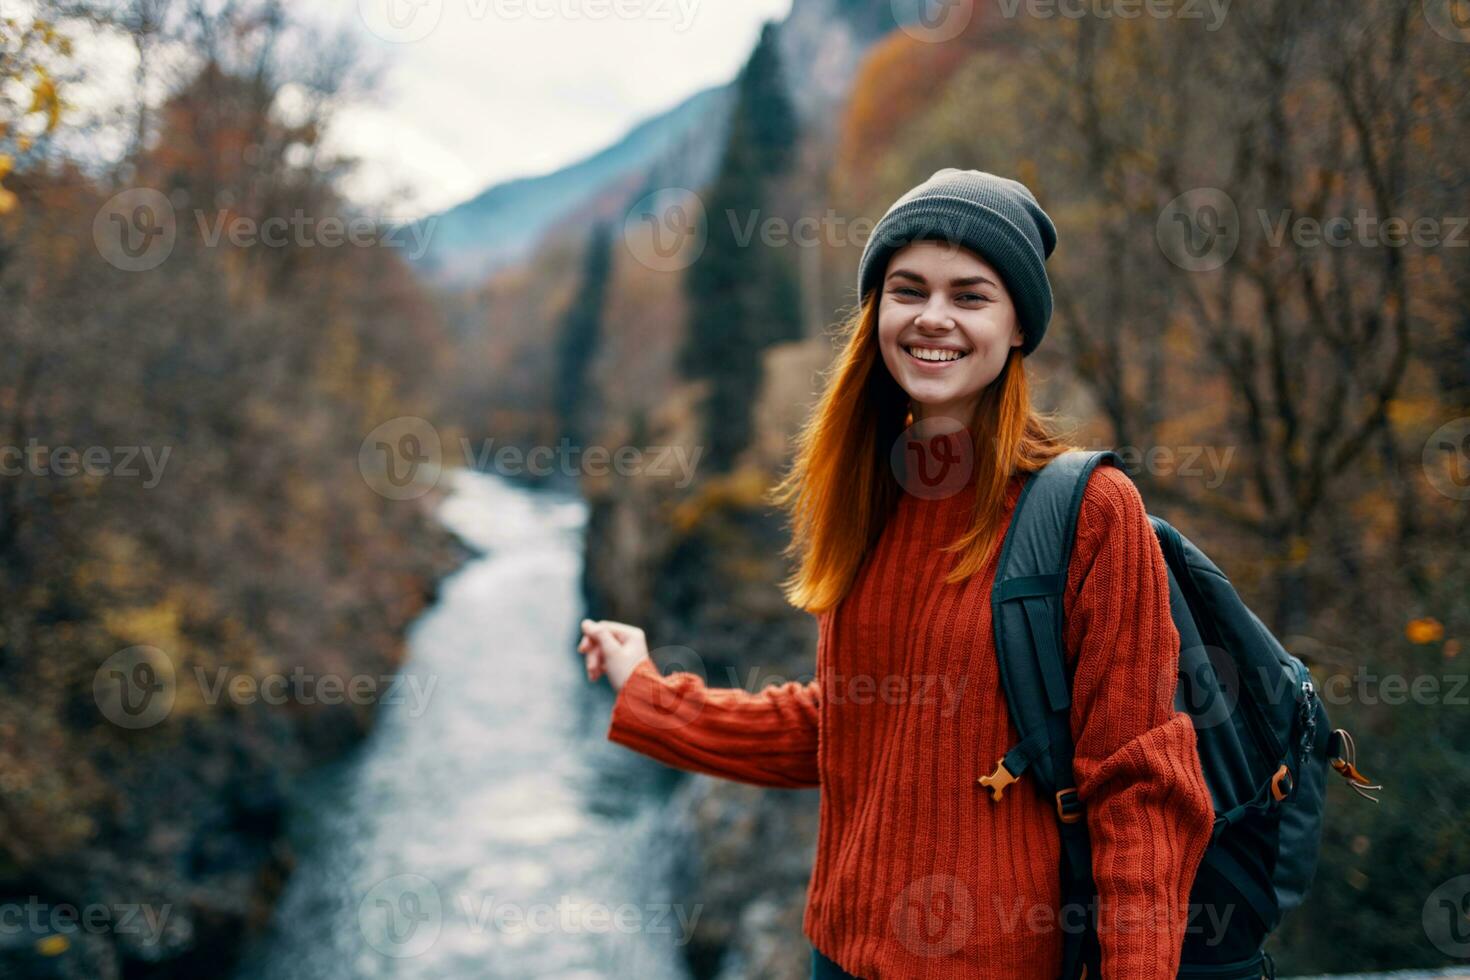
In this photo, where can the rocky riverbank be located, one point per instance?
(155, 852)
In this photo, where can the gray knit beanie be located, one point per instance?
(994, 216)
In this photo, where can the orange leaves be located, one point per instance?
(1426, 630)
(900, 78)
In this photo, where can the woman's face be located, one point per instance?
(945, 326)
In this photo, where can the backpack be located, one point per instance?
(1264, 759)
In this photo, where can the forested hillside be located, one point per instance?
(182, 501)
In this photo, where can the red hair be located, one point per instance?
(841, 488)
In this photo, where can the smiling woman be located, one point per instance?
(915, 875)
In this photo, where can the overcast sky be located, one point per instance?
(507, 88)
(478, 91)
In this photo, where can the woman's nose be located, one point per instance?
(934, 317)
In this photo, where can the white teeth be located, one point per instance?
(932, 354)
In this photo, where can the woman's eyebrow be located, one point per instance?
(963, 281)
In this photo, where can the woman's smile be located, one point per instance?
(931, 358)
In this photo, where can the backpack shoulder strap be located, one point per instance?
(1026, 610)
(1026, 607)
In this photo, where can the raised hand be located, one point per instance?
(612, 649)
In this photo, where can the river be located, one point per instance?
(485, 828)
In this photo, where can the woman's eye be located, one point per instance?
(972, 297)
(905, 290)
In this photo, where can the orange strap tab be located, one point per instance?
(997, 781)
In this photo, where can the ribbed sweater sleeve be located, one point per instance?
(1147, 807)
(767, 738)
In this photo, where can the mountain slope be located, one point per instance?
(822, 43)
(503, 224)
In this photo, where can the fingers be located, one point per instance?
(622, 631)
(597, 643)
(608, 644)
(594, 659)
(612, 635)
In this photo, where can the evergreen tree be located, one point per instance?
(742, 294)
(581, 330)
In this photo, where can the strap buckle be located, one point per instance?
(997, 781)
(1069, 806)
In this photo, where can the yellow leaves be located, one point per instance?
(26, 69)
(1409, 410)
(1426, 630)
(156, 625)
(8, 200)
(45, 99)
(743, 489)
(48, 35)
(117, 563)
(53, 945)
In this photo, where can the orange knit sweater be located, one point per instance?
(918, 872)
